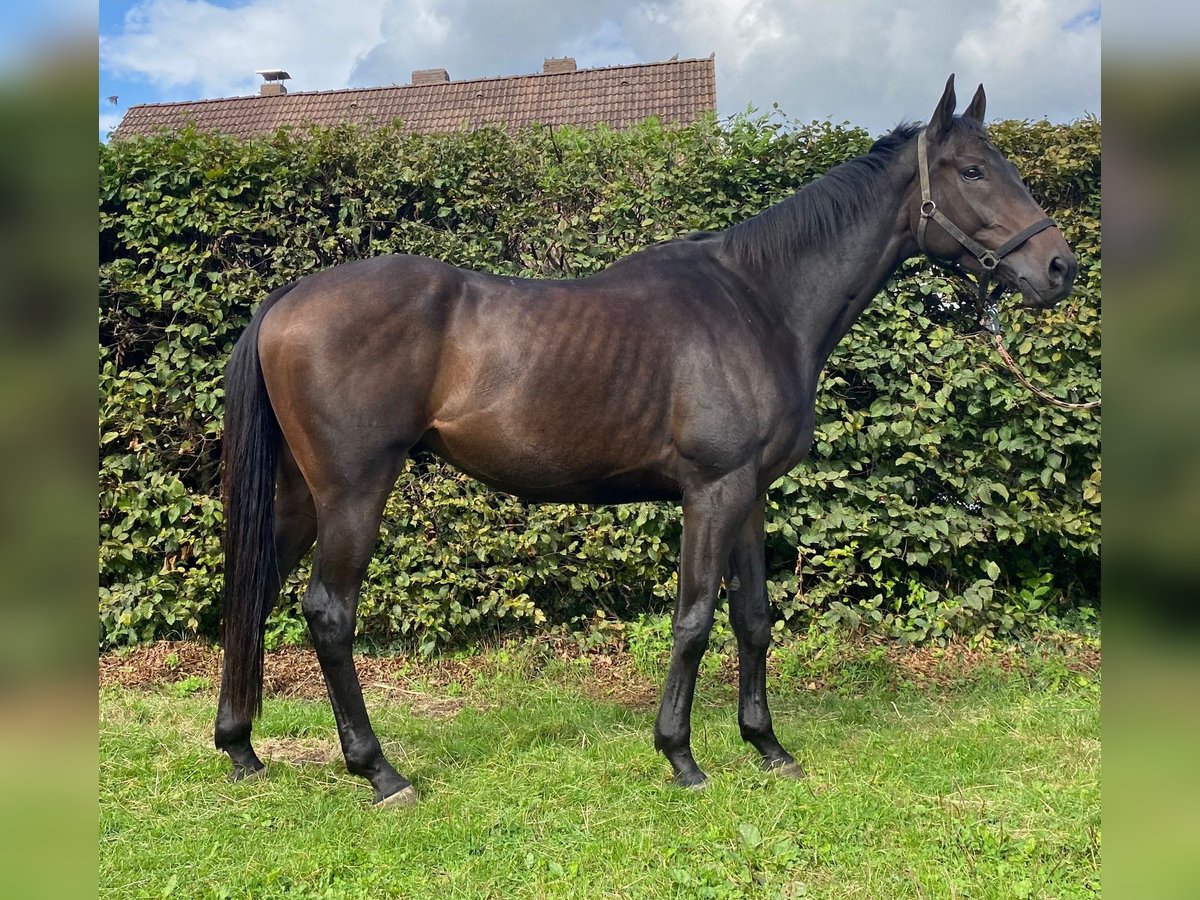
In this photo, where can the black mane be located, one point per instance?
(822, 207)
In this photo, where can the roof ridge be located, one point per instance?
(440, 84)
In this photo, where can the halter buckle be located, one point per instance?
(928, 208)
(988, 260)
(992, 324)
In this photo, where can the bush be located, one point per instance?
(941, 497)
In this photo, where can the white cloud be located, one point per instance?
(1043, 56)
(216, 50)
(880, 63)
(473, 39)
(870, 62)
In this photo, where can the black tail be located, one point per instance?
(249, 454)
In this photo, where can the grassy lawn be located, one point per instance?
(538, 779)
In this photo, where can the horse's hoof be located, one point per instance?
(792, 770)
(244, 773)
(693, 782)
(403, 797)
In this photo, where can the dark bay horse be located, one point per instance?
(687, 371)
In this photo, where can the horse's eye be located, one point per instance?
(972, 173)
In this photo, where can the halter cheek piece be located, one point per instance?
(988, 259)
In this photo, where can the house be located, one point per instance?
(676, 91)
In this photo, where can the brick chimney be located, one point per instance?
(430, 76)
(558, 65)
(273, 80)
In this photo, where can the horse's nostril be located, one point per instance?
(1059, 269)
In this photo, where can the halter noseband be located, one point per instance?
(988, 259)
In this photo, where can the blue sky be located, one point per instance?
(870, 62)
(131, 87)
(129, 90)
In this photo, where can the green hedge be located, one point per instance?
(941, 497)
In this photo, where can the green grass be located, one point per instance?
(987, 786)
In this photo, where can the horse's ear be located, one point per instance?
(944, 114)
(977, 107)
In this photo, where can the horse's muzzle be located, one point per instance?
(1056, 284)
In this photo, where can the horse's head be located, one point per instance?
(973, 210)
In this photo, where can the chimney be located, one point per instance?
(430, 76)
(272, 85)
(558, 65)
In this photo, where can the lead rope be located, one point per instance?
(993, 328)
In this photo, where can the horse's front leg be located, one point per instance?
(751, 618)
(712, 513)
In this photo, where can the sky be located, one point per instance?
(869, 62)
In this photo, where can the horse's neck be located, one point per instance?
(825, 288)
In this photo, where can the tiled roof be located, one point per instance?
(678, 91)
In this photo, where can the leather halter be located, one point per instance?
(988, 259)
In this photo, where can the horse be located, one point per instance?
(684, 372)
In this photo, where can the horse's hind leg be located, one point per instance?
(349, 525)
(295, 530)
(750, 615)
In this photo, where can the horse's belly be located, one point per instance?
(561, 471)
